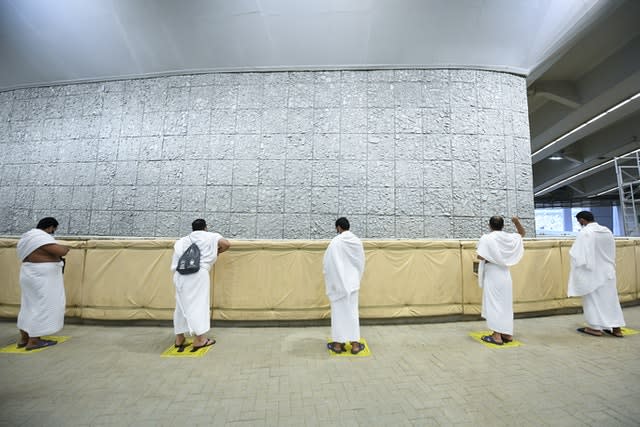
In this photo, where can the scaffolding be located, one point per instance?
(628, 174)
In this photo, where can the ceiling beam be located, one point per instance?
(584, 171)
(581, 123)
(562, 92)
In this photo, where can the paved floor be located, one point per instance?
(418, 375)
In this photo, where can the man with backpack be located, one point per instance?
(193, 257)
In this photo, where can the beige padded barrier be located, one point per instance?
(282, 280)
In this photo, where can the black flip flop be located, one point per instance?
(490, 340)
(584, 331)
(41, 344)
(182, 346)
(206, 344)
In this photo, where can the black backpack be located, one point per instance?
(189, 261)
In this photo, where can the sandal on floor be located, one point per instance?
(41, 344)
(22, 344)
(207, 343)
(182, 346)
(490, 340)
(588, 332)
(336, 347)
(610, 332)
(360, 348)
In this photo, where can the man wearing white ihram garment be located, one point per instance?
(192, 313)
(343, 268)
(42, 299)
(497, 251)
(593, 277)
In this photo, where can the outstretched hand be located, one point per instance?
(519, 227)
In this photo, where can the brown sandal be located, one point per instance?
(588, 331)
(336, 347)
(613, 334)
(360, 348)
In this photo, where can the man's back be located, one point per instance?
(593, 260)
(599, 245)
(343, 264)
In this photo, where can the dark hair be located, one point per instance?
(586, 215)
(47, 222)
(496, 222)
(343, 223)
(198, 224)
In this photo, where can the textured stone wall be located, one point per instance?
(402, 153)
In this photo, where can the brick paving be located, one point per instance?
(417, 375)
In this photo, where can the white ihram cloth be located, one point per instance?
(192, 313)
(500, 250)
(593, 276)
(42, 298)
(343, 267)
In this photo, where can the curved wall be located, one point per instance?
(274, 155)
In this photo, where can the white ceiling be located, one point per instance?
(52, 41)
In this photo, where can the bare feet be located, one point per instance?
(202, 341)
(206, 343)
(497, 337)
(24, 339)
(180, 340)
(336, 347)
(356, 347)
(506, 338)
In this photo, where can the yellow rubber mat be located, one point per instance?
(12, 348)
(364, 353)
(478, 337)
(172, 351)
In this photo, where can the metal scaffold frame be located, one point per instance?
(628, 175)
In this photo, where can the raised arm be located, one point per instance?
(519, 227)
